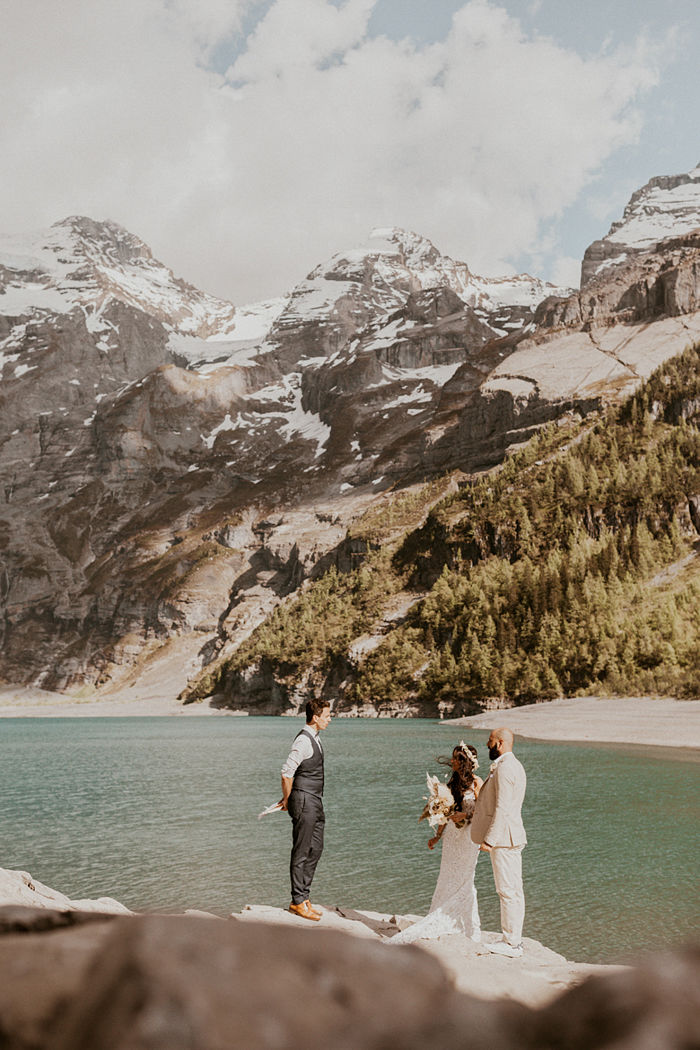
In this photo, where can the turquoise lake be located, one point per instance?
(161, 813)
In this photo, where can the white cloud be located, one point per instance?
(296, 34)
(566, 271)
(316, 133)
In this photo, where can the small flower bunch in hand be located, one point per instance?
(440, 803)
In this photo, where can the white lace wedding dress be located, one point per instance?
(454, 907)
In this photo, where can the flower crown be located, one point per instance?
(472, 757)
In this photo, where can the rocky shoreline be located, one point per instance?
(535, 979)
(83, 975)
(532, 980)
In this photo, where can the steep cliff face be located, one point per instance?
(173, 466)
(587, 348)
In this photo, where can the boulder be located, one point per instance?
(42, 974)
(166, 983)
(653, 1007)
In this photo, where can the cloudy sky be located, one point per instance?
(247, 140)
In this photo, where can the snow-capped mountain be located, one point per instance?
(377, 277)
(359, 288)
(171, 465)
(668, 206)
(88, 264)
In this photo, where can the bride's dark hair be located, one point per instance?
(463, 776)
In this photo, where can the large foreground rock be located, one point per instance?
(655, 1007)
(180, 983)
(173, 983)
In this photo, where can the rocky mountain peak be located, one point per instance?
(370, 282)
(101, 241)
(388, 247)
(667, 206)
(90, 265)
(413, 249)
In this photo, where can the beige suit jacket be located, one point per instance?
(497, 820)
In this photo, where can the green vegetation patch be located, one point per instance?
(544, 588)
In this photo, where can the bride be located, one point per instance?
(454, 906)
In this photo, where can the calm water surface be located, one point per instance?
(161, 813)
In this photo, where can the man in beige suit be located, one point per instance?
(497, 826)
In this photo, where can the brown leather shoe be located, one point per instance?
(304, 911)
(314, 911)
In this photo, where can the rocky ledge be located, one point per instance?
(80, 980)
(533, 980)
(19, 889)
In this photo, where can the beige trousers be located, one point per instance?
(507, 864)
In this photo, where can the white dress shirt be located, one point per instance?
(302, 748)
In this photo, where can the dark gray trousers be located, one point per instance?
(308, 822)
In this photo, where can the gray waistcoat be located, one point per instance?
(309, 773)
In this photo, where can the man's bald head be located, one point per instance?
(501, 739)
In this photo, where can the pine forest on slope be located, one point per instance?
(572, 568)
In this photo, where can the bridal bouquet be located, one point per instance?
(439, 803)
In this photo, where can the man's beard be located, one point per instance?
(494, 753)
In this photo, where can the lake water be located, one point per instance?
(161, 813)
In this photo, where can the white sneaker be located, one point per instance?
(512, 951)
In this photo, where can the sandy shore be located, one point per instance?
(642, 720)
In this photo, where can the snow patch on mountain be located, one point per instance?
(226, 424)
(276, 407)
(18, 299)
(419, 394)
(253, 322)
(388, 337)
(436, 375)
(519, 290)
(307, 425)
(206, 356)
(314, 298)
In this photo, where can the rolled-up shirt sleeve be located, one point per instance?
(301, 748)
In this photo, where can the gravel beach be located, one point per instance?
(642, 720)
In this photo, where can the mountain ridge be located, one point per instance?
(178, 485)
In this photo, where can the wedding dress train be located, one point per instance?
(454, 907)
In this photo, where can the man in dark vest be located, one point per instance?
(302, 797)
